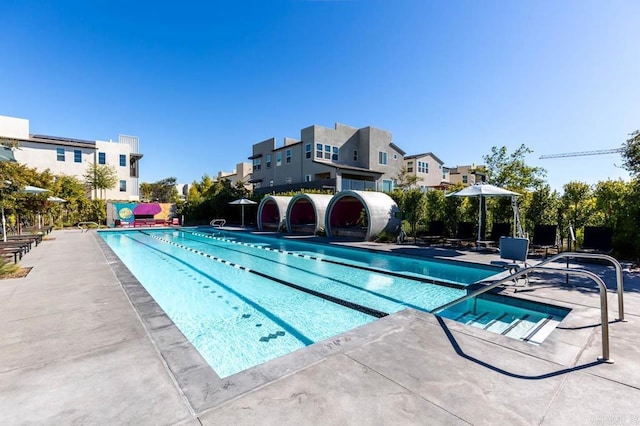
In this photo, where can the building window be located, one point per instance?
(288, 181)
(123, 160)
(123, 186)
(387, 185)
(395, 156)
(334, 155)
(327, 152)
(307, 151)
(382, 158)
(267, 161)
(60, 154)
(257, 164)
(423, 167)
(410, 167)
(257, 185)
(464, 179)
(355, 155)
(102, 158)
(278, 159)
(307, 178)
(318, 150)
(77, 156)
(287, 155)
(270, 182)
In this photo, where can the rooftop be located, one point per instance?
(82, 342)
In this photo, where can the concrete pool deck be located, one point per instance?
(80, 343)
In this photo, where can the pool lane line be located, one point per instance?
(355, 306)
(335, 262)
(345, 283)
(277, 320)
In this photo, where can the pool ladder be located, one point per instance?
(604, 309)
(83, 229)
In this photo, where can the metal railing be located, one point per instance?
(217, 223)
(604, 310)
(80, 226)
(619, 277)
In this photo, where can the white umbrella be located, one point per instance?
(243, 202)
(484, 190)
(56, 200)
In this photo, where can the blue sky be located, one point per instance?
(200, 82)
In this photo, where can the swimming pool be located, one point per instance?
(243, 299)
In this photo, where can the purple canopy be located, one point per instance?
(147, 209)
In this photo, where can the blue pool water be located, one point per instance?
(243, 299)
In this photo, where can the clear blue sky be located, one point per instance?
(200, 82)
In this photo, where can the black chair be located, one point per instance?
(597, 239)
(465, 233)
(435, 232)
(545, 237)
(498, 230)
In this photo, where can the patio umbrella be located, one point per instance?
(243, 202)
(56, 200)
(483, 190)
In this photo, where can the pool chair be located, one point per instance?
(597, 239)
(514, 251)
(498, 230)
(435, 232)
(545, 238)
(465, 233)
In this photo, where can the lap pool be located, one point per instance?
(244, 299)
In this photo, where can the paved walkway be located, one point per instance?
(81, 344)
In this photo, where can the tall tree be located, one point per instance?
(511, 171)
(100, 177)
(631, 153)
(164, 191)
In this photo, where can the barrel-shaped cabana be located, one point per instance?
(272, 212)
(306, 213)
(361, 215)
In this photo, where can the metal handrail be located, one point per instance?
(604, 310)
(619, 276)
(217, 223)
(86, 223)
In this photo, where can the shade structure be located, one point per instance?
(6, 154)
(482, 190)
(147, 209)
(28, 189)
(56, 200)
(243, 202)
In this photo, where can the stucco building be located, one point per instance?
(342, 158)
(71, 157)
(429, 170)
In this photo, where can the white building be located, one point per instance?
(72, 157)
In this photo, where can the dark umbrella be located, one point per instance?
(243, 202)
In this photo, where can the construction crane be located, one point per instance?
(583, 153)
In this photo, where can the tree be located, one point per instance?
(100, 177)
(631, 153)
(511, 171)
(162, 191)
(146, 191)
(405, 180)
(414, 208)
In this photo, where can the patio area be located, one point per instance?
(80, 343)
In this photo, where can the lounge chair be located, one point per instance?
(597, 239)
(435, 232)
(464, 233)
(545, 237)
(498, 230)
(514, 251)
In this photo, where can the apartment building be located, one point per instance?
(72, 157)
(242, 172)
(467, 175)
(429, 170)
(341, 158)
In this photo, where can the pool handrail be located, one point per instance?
(619, 276)
(87, 228)
(604, 310)
(217, 223)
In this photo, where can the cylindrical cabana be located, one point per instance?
(306, 213)
(362, 215)
(272, 212)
